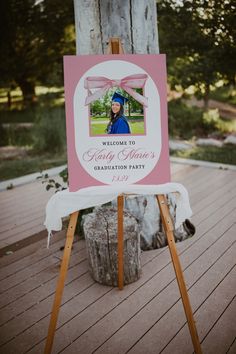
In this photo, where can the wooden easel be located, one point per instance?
(115, 47)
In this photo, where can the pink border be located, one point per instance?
(107, 136)
(74, 68)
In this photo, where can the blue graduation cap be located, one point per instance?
(117, 97)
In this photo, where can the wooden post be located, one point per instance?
(61, 282)
(168, 226)
(120, 207)
(115, 47)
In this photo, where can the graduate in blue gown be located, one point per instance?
(118, 123)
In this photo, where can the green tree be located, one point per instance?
(199, 39)
(34, 36)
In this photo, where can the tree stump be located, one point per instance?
(100, 230)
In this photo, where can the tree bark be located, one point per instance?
(133, 21)
(100, 230)
(28, 91)
(206, 97)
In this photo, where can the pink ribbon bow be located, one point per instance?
(128, 83)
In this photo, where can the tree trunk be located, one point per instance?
(9, 99)
(134, 22)
(100, 230)
(28, 91)
(206, 97)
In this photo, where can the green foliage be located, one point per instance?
(49, 131)
(97, 108)
(225, 154)
(199, 40)
(35, 36)
(186, 122)
(29, 164)
(224, 94)
(3, 136)
(64, 175)
(15, 135)
(51, 183)
(102, 107)
(26, 115)
(211, 117)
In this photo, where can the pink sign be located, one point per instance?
(116, 119)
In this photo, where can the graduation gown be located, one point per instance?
(120, 126)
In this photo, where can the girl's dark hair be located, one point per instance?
(114, 118)
(119, 114)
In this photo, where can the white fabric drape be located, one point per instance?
(63, 203)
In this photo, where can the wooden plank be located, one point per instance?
(221, 262)
(196, 175)
(132, 321)
(38, 251)
(197, 193)
(224, 199)
(183, 173)
(207, 313)
(39, 295)
(35, 233)
(230, 206)
(31, 188)
(29, 299)
(202, 181)
(21, 228)
(223, 332)
(36, 333)
(216, 216)
(211, 197)
(28, 204)
(232, 347)
(38, 278)
(22, 219)
(87, 318)
(22, 239)
(27, 251)
(78, 280)
(77, 283)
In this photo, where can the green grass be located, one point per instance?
(225, 154)
(99, 119)
(100, 129)
(133, 117)
(16, 168)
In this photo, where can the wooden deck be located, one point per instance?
(147, 316)
(22, 215)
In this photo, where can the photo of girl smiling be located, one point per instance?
(118, 123)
